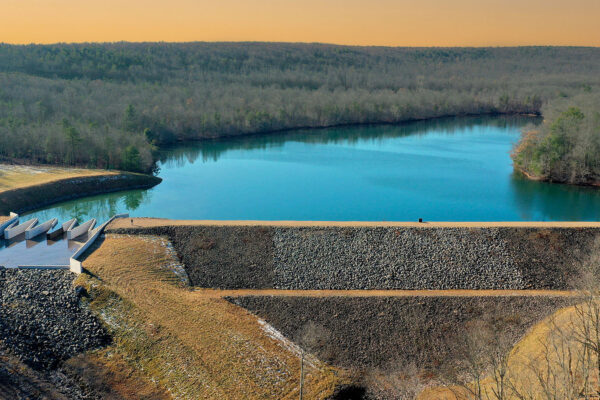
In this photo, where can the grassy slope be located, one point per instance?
(111, 377)
(192, 346)
(16, 177)
(24, 188)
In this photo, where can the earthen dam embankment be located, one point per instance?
(537, 263)
(387, 256)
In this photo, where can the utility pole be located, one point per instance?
(301, 372)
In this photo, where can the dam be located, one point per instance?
(381, 293)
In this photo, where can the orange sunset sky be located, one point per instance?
(372, 22)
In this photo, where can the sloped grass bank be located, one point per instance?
(192, 347)
(26, 188)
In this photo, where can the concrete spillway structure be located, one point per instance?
(75, 264)
(70, 224)
(81, 229)
(9, 223)
(66, 226)
(34, 231)
(12, 225)
(10, 233)
(27, 253)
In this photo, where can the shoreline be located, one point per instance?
(149, 222)
(350, 125)
(7, 203)
(536, 178)
(36, 196)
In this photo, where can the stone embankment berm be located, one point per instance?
(42, 320)
(238, 257)
(387, 332)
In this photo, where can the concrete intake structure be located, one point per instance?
(81, 229)
(75, 265)
(10, 233)
(40, 229)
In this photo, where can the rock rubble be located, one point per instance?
(42, 320)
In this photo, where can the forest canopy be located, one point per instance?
(111, 105)
(567, 146)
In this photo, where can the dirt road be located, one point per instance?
(154, 222)
(217, 293)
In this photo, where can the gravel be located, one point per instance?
(383, 258)
(258, 257)
(380, 332)
(42, 320)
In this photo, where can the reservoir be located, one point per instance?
(455, 169)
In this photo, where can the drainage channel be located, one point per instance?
(39, 251)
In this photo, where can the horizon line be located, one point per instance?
(296, 43)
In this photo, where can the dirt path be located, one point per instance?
(217, 293)
(155, 222)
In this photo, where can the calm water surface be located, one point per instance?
(443, 170)
(38, 251)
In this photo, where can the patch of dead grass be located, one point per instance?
(108, 374)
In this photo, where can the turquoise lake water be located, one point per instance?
(443, 170)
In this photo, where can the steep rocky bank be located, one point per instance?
(386, 257)
(363, 332)
(42, 321)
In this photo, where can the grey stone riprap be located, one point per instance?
(390, 257)
(42, 321)
(382, 258)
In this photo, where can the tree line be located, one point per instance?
(566, 148)
(112, 105)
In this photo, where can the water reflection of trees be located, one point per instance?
(212, 150)
(552, 201)
(100, 207)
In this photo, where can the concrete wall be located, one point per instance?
(39, 229)
(70, 224)
(19, 229)
(81, 229)
(14, 218)
(11, 225)
(380, 257)
(75, 264)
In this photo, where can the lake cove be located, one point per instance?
(456, 169)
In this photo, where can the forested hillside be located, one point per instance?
(567, 146)
(109, 105)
